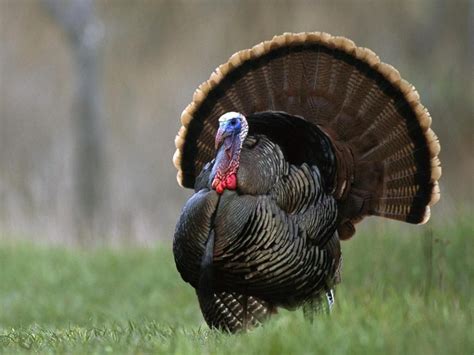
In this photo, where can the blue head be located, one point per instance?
(234, 125)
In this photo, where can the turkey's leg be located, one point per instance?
(321, 304)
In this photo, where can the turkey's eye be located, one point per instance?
(233, 122)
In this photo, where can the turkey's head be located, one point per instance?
(233, 129)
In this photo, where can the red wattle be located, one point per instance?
(231, 182)
(218, 185)
(220, 188)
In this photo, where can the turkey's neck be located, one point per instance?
(227, 162)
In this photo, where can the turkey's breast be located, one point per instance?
(274, 236)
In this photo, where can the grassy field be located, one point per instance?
(402, 292)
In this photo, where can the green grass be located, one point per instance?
(402, 292)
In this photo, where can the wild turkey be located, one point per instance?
(288, 145)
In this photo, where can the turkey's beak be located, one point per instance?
(221, 135)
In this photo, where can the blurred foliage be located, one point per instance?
(154, 54)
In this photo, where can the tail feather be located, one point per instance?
(386, 151)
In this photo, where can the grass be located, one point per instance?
(401, 293)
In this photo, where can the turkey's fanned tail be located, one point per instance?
(387, 155)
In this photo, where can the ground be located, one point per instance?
(405, 291)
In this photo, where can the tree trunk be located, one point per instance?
(84, 32)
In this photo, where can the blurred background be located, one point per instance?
(91, 93)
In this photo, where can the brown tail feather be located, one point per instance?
(387, 153)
